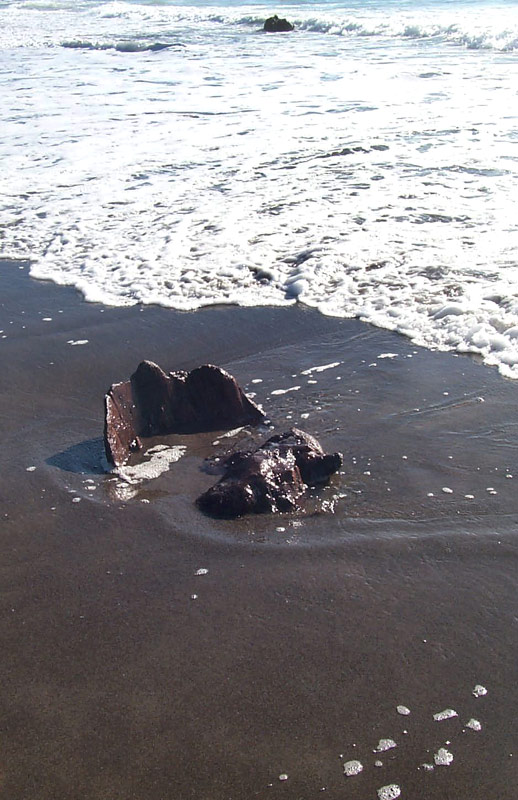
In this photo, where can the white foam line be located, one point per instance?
(321, 368)
(230, 434)
(285, 391)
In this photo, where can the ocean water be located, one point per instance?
(366, 164)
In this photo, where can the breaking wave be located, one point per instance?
(121, 47)
(365, 165)
(470, 27)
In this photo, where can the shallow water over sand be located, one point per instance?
(425, 440)
(426, 437)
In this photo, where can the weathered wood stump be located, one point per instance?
(152, 403)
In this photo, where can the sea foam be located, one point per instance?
(180, 159)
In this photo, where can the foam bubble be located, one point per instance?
(124, 491)
(474, 724)
(403, 710)
(479, 691)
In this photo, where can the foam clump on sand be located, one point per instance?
(448, 713)
(403, 710)
(353, 767)
(474, 724)
(443, 757)
(389, 792)
(161, 458)
(385, 744)
(479, 691)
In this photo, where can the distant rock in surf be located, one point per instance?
(277, 25)
(153, 403)
(270, 478)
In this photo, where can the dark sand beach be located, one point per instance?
(124, 674)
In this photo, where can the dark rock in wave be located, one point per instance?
(271, 478)
(152, 403)
(276, 25)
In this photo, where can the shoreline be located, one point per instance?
(301, 642)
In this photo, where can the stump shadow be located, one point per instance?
(83, 458)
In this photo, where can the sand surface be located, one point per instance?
(125, 674)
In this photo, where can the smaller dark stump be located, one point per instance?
(276, 25)
(271, 478)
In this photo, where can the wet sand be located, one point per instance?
(126, 675)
